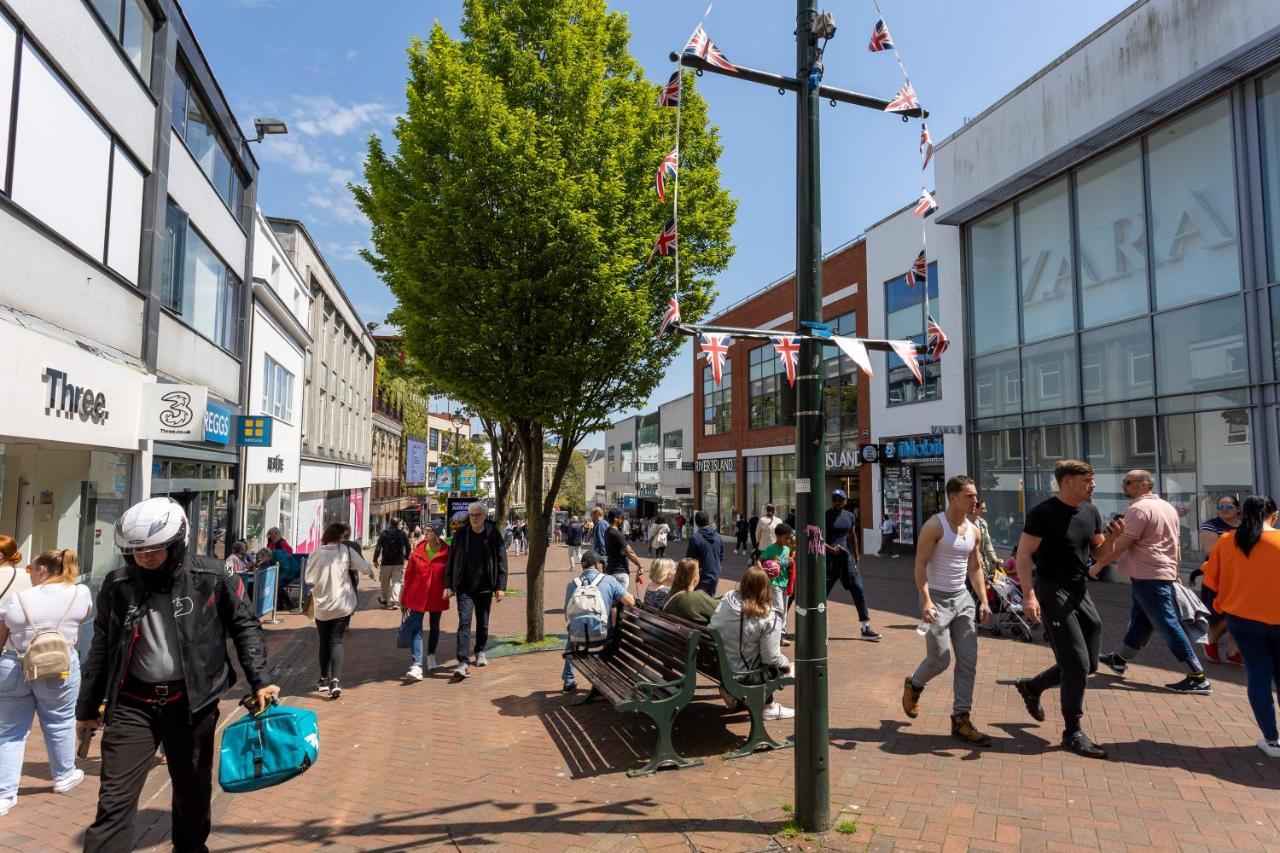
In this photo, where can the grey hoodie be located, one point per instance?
(753, 642)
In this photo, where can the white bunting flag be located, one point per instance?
(856, 351)
(906, 351)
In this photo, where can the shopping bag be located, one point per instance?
(411, 624)
(266, 748)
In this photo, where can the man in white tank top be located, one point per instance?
(947, 554)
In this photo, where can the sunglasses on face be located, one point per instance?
(1225, 507)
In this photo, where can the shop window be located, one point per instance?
(1201, 348)
(1191, 479)
(1113, 237)
(999, 477)
(717, 401)
(772, 401)
(1044, 240)
(1045, 446)
(1113, 448)
(906, 313)
(1193, 207)
(996, 384)
(195, 123)
(130, 24)
(196, 285)
(994, 308)
(1116, 362)
(1050, 368)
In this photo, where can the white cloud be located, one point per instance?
(345, 251)
(323, 116)
(336, 201)
(352, 54)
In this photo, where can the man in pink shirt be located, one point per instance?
(1146, 539)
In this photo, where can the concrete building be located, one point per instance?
(386, 500)
(649, 464)
(126, 204)
(744, 436)
(918, 428)
(1120, 222)
(594, 482)
(337, 427)
(278, 344)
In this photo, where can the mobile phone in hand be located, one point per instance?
(82, 746)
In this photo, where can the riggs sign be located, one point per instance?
(66, 400)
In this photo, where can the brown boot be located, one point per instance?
(911, 698)
(962, 729)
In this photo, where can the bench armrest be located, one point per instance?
(648, 687)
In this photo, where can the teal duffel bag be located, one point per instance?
(267, 748)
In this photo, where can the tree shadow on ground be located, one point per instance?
(449, 826)
(596, 740)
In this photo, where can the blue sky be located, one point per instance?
(335, 71)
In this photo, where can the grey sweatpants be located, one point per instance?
(391, 576)
(955, 629)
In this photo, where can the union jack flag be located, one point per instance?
(670, 94)
(926, 145)
(788, 349)
(666, 243)
(672, 315)
(904, 100)
(670, 164)
(715, 349)
(927, 204)
(919, 271)
(701, 46)
(880, 38)
(936, 340)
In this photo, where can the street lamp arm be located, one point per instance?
(791, 84)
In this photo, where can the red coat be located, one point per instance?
(424, 580)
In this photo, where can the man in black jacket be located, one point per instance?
(159, 660)
(389, 557)
(476, 574)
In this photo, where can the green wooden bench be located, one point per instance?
(649, 667)
(713, 663)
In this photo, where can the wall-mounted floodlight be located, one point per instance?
(268, 126)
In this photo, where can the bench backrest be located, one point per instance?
(649, 647)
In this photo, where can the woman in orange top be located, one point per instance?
(1244, 570)
(423, 593)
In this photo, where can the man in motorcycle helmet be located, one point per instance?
(159, 661)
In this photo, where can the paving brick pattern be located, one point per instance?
(504, 761)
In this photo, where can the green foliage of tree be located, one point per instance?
(572, 494)
(515, 215)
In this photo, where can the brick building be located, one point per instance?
(744, 430)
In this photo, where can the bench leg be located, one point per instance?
(759, 737)
(664, 752)
(591, 696)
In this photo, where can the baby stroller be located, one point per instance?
(1005, 599)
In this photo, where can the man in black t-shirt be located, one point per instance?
(1058, 538)
(617, 552)
(842, 559)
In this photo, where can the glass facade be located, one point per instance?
(717, 401)
(719, 494)
(770, 479)
(906, 314)
(772, 401)
(1128, 341)
(840, 390)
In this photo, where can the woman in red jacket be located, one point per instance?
(423, 592)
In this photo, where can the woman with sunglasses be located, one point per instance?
(1227, 520)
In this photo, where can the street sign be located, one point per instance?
(467, 478)
(254, 431)
(444, 478)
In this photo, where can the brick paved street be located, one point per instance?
(503, 760)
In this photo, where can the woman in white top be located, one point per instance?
(330, 578)
(658, 533)
(12, 578)
(55, 600)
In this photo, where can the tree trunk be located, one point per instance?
(531, 434)
(505, 448)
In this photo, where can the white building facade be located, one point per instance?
(649, 462)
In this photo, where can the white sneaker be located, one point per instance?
(482, 659)
(66, 783)
(7, 803)
(414, 673)
(431, 663)
(1271, 749)
(461, 670)
(778, 711)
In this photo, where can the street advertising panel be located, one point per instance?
(415, 461)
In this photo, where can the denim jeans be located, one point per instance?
(1153, 609)
(1259, 645)
(477, 603)
(54, 700)
(415, 642)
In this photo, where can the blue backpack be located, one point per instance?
(267, 748)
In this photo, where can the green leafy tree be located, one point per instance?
(514, 218)
(572, 494)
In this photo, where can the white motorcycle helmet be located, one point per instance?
(150, 524)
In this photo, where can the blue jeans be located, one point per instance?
(54, 700)
(1259, 644)
(415, 642)
(1153, 609)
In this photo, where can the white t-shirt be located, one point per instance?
(46, 603)
(766, 531)
(21, 583)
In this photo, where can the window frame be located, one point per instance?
(230, 293)
(930, 368)
(184, 75)
(115, 34)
